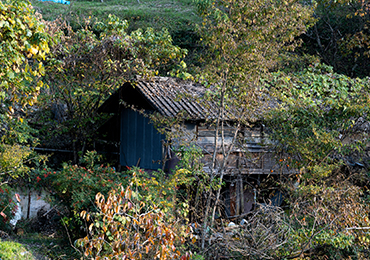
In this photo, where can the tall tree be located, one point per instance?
(341, 36)
(23, 46)
(244, 41)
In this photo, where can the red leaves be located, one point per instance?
(185, 257)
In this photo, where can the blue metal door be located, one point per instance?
(141, 144)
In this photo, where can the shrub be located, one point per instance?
(160, 190)
(123, 228)
(76, 186)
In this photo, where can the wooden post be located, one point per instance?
(238, 198)
(232, 199)
(241, 191)
(29, 204)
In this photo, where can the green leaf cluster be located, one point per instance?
(23, 46)
(319, 127)
(320, 112)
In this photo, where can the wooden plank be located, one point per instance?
(241, 192)
(232, 199)
(212, 133)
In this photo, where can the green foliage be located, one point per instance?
(12, 159)
(160, 190)
(14, 251)
(23, 46)
(318, 126)
(319, 109)
(332, 244)
(88, 65)
(77, 185)
(22, 38)
(16, 157)
(197, 181)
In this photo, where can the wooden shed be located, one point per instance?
(133, 137)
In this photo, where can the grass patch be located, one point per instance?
(140, 13)
(10, 250)
(53, 248)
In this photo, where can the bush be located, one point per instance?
(76, 186)
(124, 228)
(160, 190)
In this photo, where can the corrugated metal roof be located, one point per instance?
(170, 97)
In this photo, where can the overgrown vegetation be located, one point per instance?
(178, 17)
(254, 60)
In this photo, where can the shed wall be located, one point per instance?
(141, 143)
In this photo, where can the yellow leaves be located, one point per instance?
(30, 102)
(83, 214)
(182, 171)
(155, 182)
(32, 51)
(364, 239)
(91, 227)
(23, 28)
